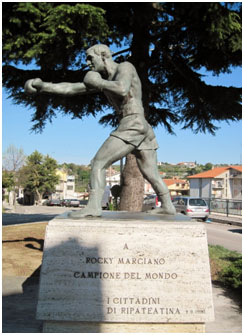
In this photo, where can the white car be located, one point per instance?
(196, 208)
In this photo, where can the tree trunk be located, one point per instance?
(133, 182)
(38, 198)
(131, 197)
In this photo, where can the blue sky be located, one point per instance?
(76, 141)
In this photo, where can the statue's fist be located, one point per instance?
(33, 86)
(92, 79)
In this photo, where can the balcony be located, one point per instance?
(217, 184)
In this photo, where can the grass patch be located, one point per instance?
(226, 267)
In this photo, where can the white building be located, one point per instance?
(66, 186)
(70, 193)
(188, 164)
(112, 180)
(221, 182)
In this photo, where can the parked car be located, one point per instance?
(83, 203)
(196, 208)
(70, 203)
(54, 202)
(150, 202)
(74, 203)
(64, 202)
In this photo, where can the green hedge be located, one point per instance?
(228, 266)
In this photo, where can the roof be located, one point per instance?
(169, 182)
(215, 172)
(237, 167)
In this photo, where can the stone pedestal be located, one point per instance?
(125, 272)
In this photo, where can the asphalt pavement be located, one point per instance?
(29, 214)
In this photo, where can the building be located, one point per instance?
(188, 164)
(177, 186)
(221, 182)
(70, 193)
(66, 186)
(112, 180)
(112, 177)
(61, 188)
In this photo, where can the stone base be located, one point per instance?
(93, 327)
(125, 273)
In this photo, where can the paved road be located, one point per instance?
(31, 214)
(226, 235)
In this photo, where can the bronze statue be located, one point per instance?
(122, 86)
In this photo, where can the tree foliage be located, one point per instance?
(41, 30)
(40, 174)
(169, 43)
(7, 180)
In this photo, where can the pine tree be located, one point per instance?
(169, 43)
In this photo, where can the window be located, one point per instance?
(197, 202)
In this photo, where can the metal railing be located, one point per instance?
(225, 206)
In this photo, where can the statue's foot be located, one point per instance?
(85, 212)
(167, 210)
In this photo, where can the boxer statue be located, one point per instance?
(122, 86)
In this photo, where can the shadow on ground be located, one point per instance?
(237, 231)
(29, 245)
(19, 310)
(13, 218)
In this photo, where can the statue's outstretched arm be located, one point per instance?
(33, 86)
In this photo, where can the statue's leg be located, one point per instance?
(112, 150)
(147, 163)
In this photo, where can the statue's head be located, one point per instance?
(97, 57)
(100, 50)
